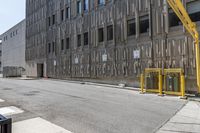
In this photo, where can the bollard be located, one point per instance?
(142, 83)
(160, 84)
(183, 86)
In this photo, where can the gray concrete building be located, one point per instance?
(13, 50)
(109, 40)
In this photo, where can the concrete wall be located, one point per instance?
(161, 46)
(35, 35)
(13, 46)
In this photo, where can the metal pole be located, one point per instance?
(197, 64)
(160, 84)
(142, 83)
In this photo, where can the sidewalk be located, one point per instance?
(187, 120)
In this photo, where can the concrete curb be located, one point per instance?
(196, 99)
(97, 84)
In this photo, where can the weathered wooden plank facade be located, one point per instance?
(109, 39)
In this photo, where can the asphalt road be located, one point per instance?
(88, 108)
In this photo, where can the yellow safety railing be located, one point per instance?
(169, 88)
(143, 80)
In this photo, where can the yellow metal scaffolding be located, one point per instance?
(190, 26)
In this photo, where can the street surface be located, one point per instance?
(82, 108)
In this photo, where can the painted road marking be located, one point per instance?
(7, 111)
(37, 125)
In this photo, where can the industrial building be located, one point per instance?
(108, 40)
(13, 50)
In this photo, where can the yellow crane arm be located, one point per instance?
(190, 26)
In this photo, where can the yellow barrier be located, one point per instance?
(143, 79)
(174, 87)
(142, 83)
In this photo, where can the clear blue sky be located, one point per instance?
(11, 12)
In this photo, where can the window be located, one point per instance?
(86, 5)
(173, 19)
(0, 53)
(49, 47)
(144, 24)
(62, 44)
(79, 40)
(0, 63)
(110, 32)
(78, 7)
(131, 27)
(86, 38)
(100, 35)
(67, 43)
(194, 10)
(54, 19)
(53, 49)
(67, 12)
(49, 20)
(101, 2)
(5, 38)
(62, 15)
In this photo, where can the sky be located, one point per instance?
(11, 13)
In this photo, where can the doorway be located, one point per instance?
(40, 70)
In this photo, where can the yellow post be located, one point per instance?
(182, 86)
(197, 64)
(160, 84)
(142, 83)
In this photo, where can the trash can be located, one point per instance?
(5, 124)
